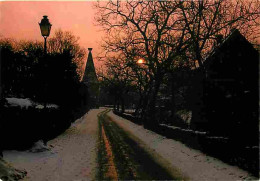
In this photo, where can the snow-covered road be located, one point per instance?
(72, 155)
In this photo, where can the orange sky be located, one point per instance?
(20, 20)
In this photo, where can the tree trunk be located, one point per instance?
(1, 79)
(117, 105)
(145, 105)
(138, 107)
(173, 106)
(150, 118)
(122, 104)
(114, 103)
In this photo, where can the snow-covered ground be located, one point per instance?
(192, 163)
(72, 155)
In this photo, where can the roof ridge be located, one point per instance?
(213, 51)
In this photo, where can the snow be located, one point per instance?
(20, 102)
(39, 147)
(192, 163)
(185, 130)
(26, 103)
(53, 106)
(217, 137)
(70, 156)
(39, 106)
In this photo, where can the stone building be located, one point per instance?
(91, 81)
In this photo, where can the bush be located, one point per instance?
(22, 127)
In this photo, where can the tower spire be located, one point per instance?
(91, 81)
(90, 71)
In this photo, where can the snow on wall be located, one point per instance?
(184, 130)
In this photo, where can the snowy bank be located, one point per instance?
(26, 103)
(7, 172)
(23, 103)
(39, 147)
(192, 163)
(72, 155)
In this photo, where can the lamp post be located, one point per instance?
(0, 80)
(45, 27)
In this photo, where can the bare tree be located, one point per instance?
(204, 20)
(163, 31)
(118, 79)
(66, 41)
(143, 29)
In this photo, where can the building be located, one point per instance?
(230, 91)
(91, 81)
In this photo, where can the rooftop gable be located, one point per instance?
(227, 43)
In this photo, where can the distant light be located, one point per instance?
(140, 61)
(197, 65)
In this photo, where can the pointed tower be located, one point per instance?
(91, 81)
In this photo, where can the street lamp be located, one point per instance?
(0, 80)
(45, 27)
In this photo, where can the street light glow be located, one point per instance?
(140, 61)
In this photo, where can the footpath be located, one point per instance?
(193, 164)
(72, 155)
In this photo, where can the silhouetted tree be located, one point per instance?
(117, 81)
(29, 73)
(66, 41)
(162, 31)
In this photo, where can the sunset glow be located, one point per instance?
(19, 20)
(140, 61)
(105, 81)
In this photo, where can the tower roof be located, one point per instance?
(90, 71)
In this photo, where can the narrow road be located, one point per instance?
(120, 156)
(93, 148)
(103, 146)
